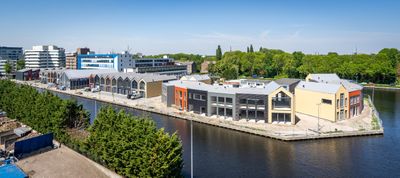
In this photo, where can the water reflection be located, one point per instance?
(221, 152)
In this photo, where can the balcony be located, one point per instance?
(281, 103)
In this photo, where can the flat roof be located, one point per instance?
(269, 88)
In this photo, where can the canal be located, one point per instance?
(221, 152)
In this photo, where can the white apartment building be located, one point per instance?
(105, 61)
(2, 63)
(45, 57)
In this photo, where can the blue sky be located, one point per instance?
(168, 26)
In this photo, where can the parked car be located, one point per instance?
(78, 93)
(97, 89)
(3, 114)
(50, 85)
(86, 89)
(136, 96)
(61, 87)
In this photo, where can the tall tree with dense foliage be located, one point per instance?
(130, 145)
(7, 67)
(383, 67)
(218, 53)
(251, 49)
(133, 146)
(20, 64)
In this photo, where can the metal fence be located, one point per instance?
(32, 144)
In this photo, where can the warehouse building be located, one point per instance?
(147, 84)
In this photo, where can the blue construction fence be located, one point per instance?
(32, 144)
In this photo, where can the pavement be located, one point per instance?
(63, 162)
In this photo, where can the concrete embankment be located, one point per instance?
(288, 136)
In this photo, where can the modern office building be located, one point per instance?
(105, 61)
(9, 55)
(271, 104)
(72, 58)
(152, 62)
(2, 64)
(45, 57)
(165, 70)
(190, 65)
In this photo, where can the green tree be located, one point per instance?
(7, 67)
(251, 49)
(20, 64)
(218, 53)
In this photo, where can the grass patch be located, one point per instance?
(374, 123)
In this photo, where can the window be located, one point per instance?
(213, 99)
(203, 97)
(337, 103)
(190, 96)
(229, 100)
(221, 99)
(345, 102)
(196, 96)
(326, 101)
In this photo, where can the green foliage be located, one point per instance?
(130, 145)
(218, 53)
(7, 67)
(133, 146)
(383, 67)
(42, 111)
(20, 64)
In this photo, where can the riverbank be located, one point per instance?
(383, 87)
(305, 128)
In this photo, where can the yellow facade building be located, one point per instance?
(326, 101)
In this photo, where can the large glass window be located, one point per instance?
(229, 100)
(214, 99)
(221, 99)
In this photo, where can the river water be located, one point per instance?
(219, 152)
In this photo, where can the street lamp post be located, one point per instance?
(191, 148)
(319, 104)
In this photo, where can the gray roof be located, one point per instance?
(319, 87)
(147, 77)
(324, 77)
(24, 70)
(197, 77)
(269, 88)
(287, 81)
(77, 74)
(348, 85)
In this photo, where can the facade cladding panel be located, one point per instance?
(250, 106)
(197, 101)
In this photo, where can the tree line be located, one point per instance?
(196, 58)
(383, 67)
(132, 146)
